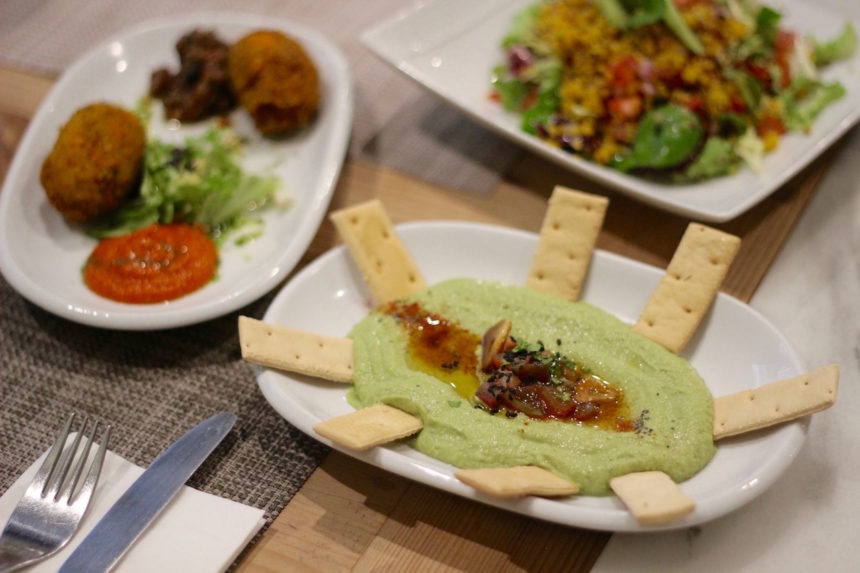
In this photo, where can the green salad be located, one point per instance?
(199, 183)
(679, 90)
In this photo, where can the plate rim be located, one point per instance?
(308, 225)
(628, 185)
(539, 508)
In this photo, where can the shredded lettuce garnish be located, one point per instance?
(807, 98)
(522, 30)
(199, 183)
(841, 47)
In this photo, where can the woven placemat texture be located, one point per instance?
(152, 387)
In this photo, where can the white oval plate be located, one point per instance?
(450, 47)
(41, 256)
(735, 348)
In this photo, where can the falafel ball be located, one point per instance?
(95, 163)
(275, 80)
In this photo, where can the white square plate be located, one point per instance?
(450, 47)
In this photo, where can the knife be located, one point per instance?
(147, 496)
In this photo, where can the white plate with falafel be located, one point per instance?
(240, 143)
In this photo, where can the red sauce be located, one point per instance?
(154, 264)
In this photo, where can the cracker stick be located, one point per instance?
(652, 497)
(775, 402)
(383, 261)
(295, 350)
(567, 237)
(691, 282)
(369, 427)
(517, 482)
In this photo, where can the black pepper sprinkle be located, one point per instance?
(558, 341)
(510, 414)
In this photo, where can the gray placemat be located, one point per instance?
(152, 387)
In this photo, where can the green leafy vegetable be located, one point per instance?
(540, 112)
(548, 98)
(732, 123)
(646, 12)
(512, 91)
(666, 137)
(636, 13)
(761, 42)
(767, 24)
(676, 23)
(548, 72)
(614, 13)
(741, 10)
(199, 184)
(800, 112)
(718, 158)
(748, 86)
(522, 30)
(841, 47)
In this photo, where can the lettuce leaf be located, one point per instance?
(841, 47)
(717, 158)
(801, 112)
(200, 183)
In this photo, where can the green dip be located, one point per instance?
(662, 390)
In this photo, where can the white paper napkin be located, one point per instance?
(196, 532)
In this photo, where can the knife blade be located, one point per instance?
(147, 496)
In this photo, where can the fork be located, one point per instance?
(53, 506)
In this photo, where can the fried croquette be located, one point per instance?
(95, 163)
(275, 80)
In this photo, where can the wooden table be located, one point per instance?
(350, 516)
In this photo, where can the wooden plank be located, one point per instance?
(430, 530)
(21, 92)
(328, 526)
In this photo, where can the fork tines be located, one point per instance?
(53, 477)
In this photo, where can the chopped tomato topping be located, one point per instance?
(738, 104)
(556, 403)
(693, 103)
(783, 46)
(530, 99)
(623, 71)
(759, 73)
(770, 124)
(625, 107)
